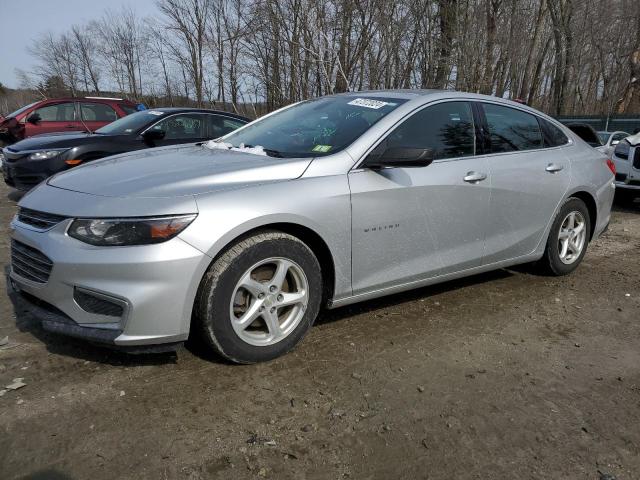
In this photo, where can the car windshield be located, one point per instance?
(131, 123)
(20, 110)
(316, 127)
(604, 136)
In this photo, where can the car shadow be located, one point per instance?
(27, 322)
(83, 350)
(340, 313)
(623, 203)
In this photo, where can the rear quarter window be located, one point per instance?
(97, 112)
(552, 136)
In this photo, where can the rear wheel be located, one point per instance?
(568, 238)
(259, 298)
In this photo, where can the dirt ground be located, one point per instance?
(507, 375)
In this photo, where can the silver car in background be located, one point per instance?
(324, 203)
(626, 157)
(610, 140)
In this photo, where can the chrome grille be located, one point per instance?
(39, 219)
(30, 263)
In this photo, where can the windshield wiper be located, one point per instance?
(273, 153)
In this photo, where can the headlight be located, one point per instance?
(128, 231)
(45, 154)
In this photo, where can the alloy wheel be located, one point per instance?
(572, 237)
(269, 301)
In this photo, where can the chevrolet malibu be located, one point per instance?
(241, 241)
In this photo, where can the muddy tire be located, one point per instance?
(259, 298)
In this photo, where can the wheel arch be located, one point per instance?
(310, 237)
(592, 207)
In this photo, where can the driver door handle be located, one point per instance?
(553, 168)
(474, 177)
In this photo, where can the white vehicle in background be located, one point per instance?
(610, 140)
(626, 157)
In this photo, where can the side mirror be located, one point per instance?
(404, 157)
(615, 142)
(153, 135)
(34, 118)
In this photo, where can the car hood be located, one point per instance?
(176, 171)
(55, 140)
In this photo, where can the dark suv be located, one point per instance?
(63, 115)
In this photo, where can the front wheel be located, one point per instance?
(259, 298)
(568, 238)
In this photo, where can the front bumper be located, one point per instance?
(153, 285)
(23, 174)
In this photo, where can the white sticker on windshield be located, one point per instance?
(154, 112)
(367, 103)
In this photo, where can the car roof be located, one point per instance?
(88, 99)
(425, 95)
(196, 110)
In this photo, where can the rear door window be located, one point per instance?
(183, 127)
(97, 112)
(60, 112)
(447, 128)
(511, 130)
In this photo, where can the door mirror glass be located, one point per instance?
(153, 135)
(34, 118)
(404, 157)
(615, 142)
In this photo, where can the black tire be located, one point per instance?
(211, 311)
(550, 262)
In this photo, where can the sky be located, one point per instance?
(25, 20)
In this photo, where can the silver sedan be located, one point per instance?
(241, 241)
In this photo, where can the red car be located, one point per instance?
(63, 115)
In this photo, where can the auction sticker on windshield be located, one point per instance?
(367, 103)
(321, 148)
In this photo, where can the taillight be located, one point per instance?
(611, 165)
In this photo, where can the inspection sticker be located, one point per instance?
(321, 148)
(367, 103)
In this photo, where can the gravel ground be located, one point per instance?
(506, 375)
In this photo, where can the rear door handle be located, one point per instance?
(553, 168)
(474, 177)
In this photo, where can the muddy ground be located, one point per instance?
(507, 375)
